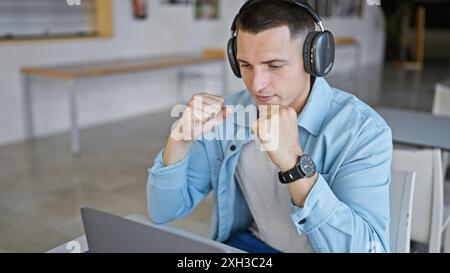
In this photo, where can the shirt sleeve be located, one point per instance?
(350, 212)
(173, 191)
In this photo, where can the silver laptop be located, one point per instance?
(109, 233)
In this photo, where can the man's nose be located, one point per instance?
(260, 79)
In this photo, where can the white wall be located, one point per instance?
(347, 73)
(168, 30)
(368, 31)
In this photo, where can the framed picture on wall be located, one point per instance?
(140, 9)
(338, 8)
(207, 9)
(176, 2)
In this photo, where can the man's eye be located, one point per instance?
(275, 66)
(245, 65)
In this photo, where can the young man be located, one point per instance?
(323, 187)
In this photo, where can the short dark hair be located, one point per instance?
(266, 14)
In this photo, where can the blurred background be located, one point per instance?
(86, 89)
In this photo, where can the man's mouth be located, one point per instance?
(264, 99)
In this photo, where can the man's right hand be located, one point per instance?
(203, 112)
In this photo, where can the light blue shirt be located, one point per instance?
(347, 209)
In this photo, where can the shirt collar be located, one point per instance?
(315, 109)
(313, 114)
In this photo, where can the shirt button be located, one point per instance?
(233, 148)
(301, 222)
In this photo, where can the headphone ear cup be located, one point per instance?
(231, 51)
(318, 53)
(307, 54)
(324, 48)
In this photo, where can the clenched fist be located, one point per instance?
(203, 112)
(277, 130)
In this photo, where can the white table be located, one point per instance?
(417, 128)
(77, 245)
(71, 73)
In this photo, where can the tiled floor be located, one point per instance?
(394, 87)
(42, 186)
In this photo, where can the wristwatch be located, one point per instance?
(305, 167)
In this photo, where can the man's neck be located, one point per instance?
(300, 103)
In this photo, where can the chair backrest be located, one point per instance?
(428, 203)
(441, 101)
(401, 192)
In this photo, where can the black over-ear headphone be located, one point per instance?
(318, 49)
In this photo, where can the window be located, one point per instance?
(31, 19)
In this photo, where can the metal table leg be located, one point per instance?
(73, 115)
(27, 107)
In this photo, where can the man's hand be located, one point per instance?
(278, 132)
(203, 112)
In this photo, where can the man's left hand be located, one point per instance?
(277, 130)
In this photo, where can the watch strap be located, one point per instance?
(291, 175)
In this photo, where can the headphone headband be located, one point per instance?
(318, 48)
(300, 3)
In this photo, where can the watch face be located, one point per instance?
(307, 165)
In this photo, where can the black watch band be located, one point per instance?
(304, 167)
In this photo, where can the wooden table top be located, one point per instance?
(118, 66)
(111, 67)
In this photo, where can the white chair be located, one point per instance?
(429, 215)
(441, 100)
(441, 107)
(401, 192)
